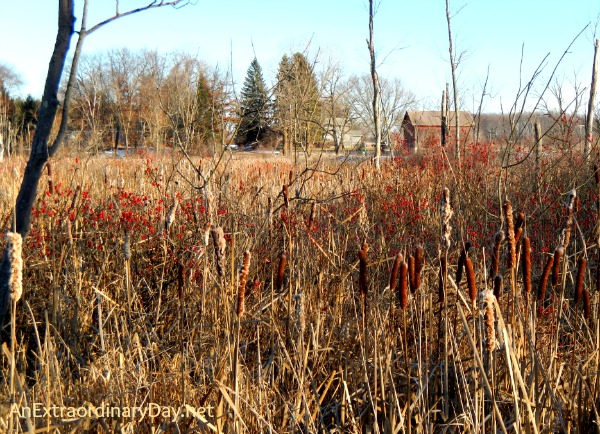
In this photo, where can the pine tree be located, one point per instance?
(255, 107)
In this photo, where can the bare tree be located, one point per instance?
(41, 151)
(589, 123)
(376, 89)
(454, 83)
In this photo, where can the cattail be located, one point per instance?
(598, 270)
(286, 199)
(518, 235)
(556, 266)
(581, 264)
(510, 234)
(498, 285)
(526, 265)
(242, 285)
(280, 272)
(597, 174)
(127, 246)
(75, 197)
(442, 278)
(544, 279)
(446, 214)
(362, 277)
(411, 274)
(566, 234)
(471, 280)
(586, 304)
(489, 318)
(171, 215)
(311, 218)
(15, 258)
(498, 239)
(50, 183)
(520, 221)
(403, 289)
(220, 245)
(290, 177)
(461, 262)
(181, 281)
(419, 259)
(394, 274)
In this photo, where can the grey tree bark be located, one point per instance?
(589, 122)
(454, 90)
(41, 152)
(376, 90)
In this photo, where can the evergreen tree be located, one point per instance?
(254, 109)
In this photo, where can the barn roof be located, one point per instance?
(434, 118)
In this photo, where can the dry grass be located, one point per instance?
(121, 309)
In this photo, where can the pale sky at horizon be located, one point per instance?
(411, 36)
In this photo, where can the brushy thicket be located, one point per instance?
(132, 295)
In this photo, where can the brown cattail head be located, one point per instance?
(471, 280)
(498, 239)
(461, 262)
(498, 285)
(442, 278)
(403, 289)
(488, 307)
(220, 245)
(581, 264)
(286, 196)
(411, 273)
(586, 304)
(126, 245)
(544, 279)
(180, 281)
(419, 261)
(558, 253)
(290, 177)
(510, 234)
(280, 272)
(50, 182)
(520, 221)
(362, 277)
(518, 235)
(394, 274)
(526, 265)
(15, 259)
(597, 174)
(311, 219)
(242, 284)
(171, 215)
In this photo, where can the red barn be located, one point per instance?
(425, 127)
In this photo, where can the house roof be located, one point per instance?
(434, 118)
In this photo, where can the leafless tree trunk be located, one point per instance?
(589, 124)
(444, 117)
(376, 89)
(40, 150)
(454, 90)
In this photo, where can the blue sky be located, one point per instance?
(410, 36)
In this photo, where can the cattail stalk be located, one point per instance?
(489, 318)
(446, 214)
(461, 262)
(15, 258)
(586, 304)
(362, 277)
(526, 265)
(403, 288)
(242, 284)
(443, 275)
(286, 199)
(419, 259)
(498, 239)
(581, 264)
(556, 266)
(220, 245)
(394, 273)
(498, 285)
(411, 274)
(471, 280)
(510, 234)
(280, 272)
(544, 280)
